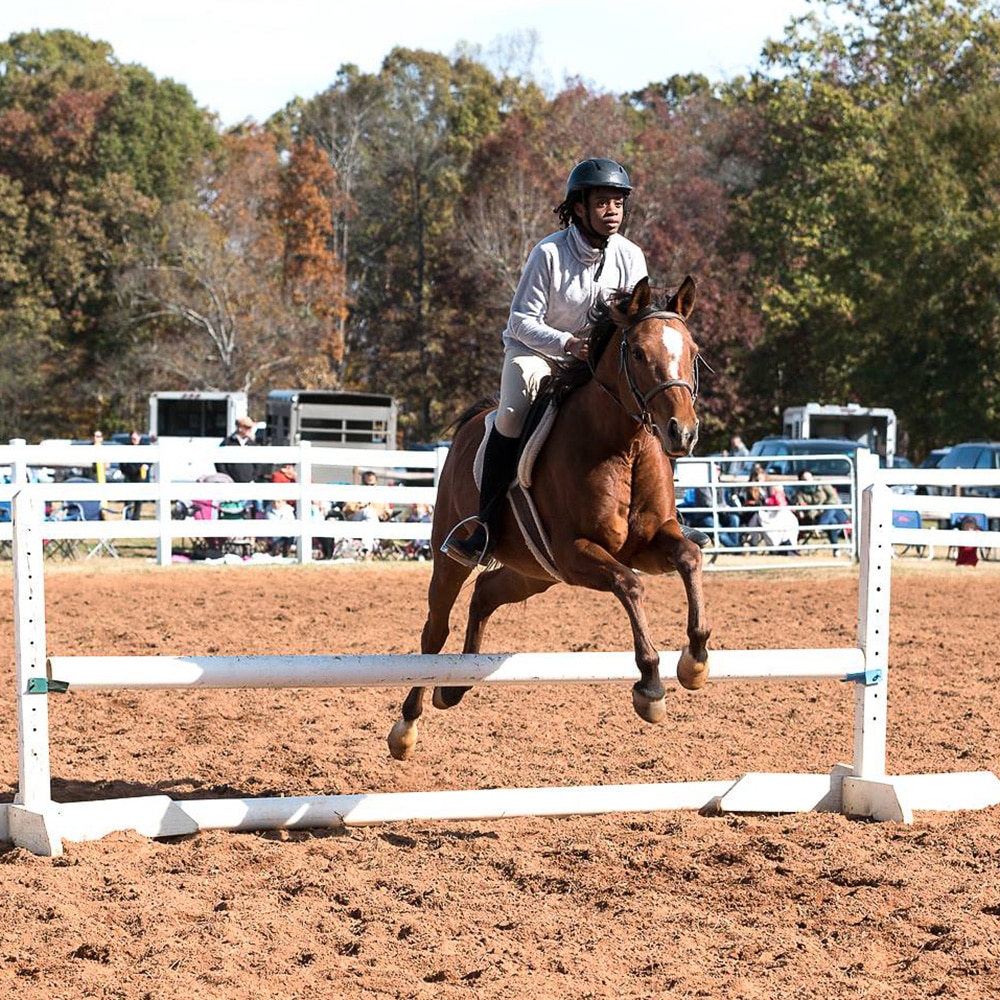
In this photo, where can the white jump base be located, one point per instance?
(861, 789)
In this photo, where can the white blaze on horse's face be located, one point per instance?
(673, 343)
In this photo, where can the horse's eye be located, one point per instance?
(638, 353)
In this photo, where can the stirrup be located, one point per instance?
(461, 551)
(694, 535)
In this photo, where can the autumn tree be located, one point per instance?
(691, 162)
(241, 291)
(82, 177)
(313, 275)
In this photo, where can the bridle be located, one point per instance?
(643, 416)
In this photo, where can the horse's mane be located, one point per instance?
(479, 406)
(605, 317)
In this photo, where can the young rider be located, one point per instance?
(564, 276)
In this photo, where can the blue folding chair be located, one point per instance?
(911, 519)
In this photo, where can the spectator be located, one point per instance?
(967, 555)
(736, 446)
(323, 545)
(719, 512)
(753, 495)
(100, 469)
(366, 510)
(281, 510)
(421, 512)
(820, 495)
(779, 527)
(242, 437)
(286, 474)
(134, 472)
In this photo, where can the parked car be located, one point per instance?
(933, 459)
(784, 456)
(971, 455)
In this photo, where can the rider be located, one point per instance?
(564, 276)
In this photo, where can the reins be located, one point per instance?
(643, 416)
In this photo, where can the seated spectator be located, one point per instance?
(365, 510)
(751, 496)
(280, 510)
(285, 474)
(820, 495)
(323, 546)
(718, 513)
(779, 527)
(421, 512)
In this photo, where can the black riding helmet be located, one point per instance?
(597, 172)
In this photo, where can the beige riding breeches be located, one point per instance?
(523, 371)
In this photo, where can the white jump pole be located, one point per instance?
(82, 673)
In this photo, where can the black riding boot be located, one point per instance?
(499, 468)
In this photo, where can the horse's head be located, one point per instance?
(657, 358)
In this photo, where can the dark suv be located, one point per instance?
(971, 455)
(783, 456)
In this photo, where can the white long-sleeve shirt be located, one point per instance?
(558, 287)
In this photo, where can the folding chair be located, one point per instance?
(64, 548)
(911, 519)
(108, 512)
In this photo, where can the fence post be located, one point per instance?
(19, 464)
(30, 817)
(871, 693)
(164, 508)
(305, 502)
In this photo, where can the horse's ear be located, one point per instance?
(641, 297)
(682, 301)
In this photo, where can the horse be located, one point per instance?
(603, 487)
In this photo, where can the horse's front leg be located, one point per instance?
(593, 567)
(672, 550)
(493, 589)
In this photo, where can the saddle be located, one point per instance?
(540, 421)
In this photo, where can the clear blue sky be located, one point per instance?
(248, 58)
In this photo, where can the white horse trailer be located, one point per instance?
(874, 427)
(331, 419)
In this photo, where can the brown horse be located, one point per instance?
(604, 490)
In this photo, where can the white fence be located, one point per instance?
(169, 490)
(861, 788)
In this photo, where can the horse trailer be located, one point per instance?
(872, 427)
(331, 419)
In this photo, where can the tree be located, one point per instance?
(83, 176)
(855, 217)
(242, 291)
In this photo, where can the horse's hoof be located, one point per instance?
(692, 673)
(402, 739)
(649, 709)
(447, 697)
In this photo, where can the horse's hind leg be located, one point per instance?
(493, 589)
(446, 582)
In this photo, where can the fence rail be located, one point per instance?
(167, 492)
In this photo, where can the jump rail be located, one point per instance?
(39, 824)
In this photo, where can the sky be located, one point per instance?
(248, 58)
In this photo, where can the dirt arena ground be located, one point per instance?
(633, 906)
